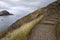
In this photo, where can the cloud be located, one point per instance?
(33, 4)
(12, 2)
(17, 6)
(37, 3)
(20, 9)
(4, 5)
(29, 3)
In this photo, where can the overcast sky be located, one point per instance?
(17, 6)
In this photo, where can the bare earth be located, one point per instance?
(46, 30)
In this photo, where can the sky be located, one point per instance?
(19, 6)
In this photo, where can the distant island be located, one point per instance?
(4, 13)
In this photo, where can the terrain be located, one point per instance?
(47, 28)
(4, 13)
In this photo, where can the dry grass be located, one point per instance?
(26, 19)
(23, 31)
(22, 21)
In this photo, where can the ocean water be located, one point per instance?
(19, 8)
(6, 21)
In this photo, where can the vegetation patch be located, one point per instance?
(22, 32)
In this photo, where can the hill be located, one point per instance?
(44, 30)
(4, 13)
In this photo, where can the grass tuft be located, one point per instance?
(23, 31)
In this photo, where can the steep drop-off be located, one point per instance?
(47, 28)
(22, 21)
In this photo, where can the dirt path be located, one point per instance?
(46, 30)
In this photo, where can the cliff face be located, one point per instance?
(46, 29)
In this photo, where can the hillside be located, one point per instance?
(23, 20)
(47, 29)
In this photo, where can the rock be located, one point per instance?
(4, 13)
